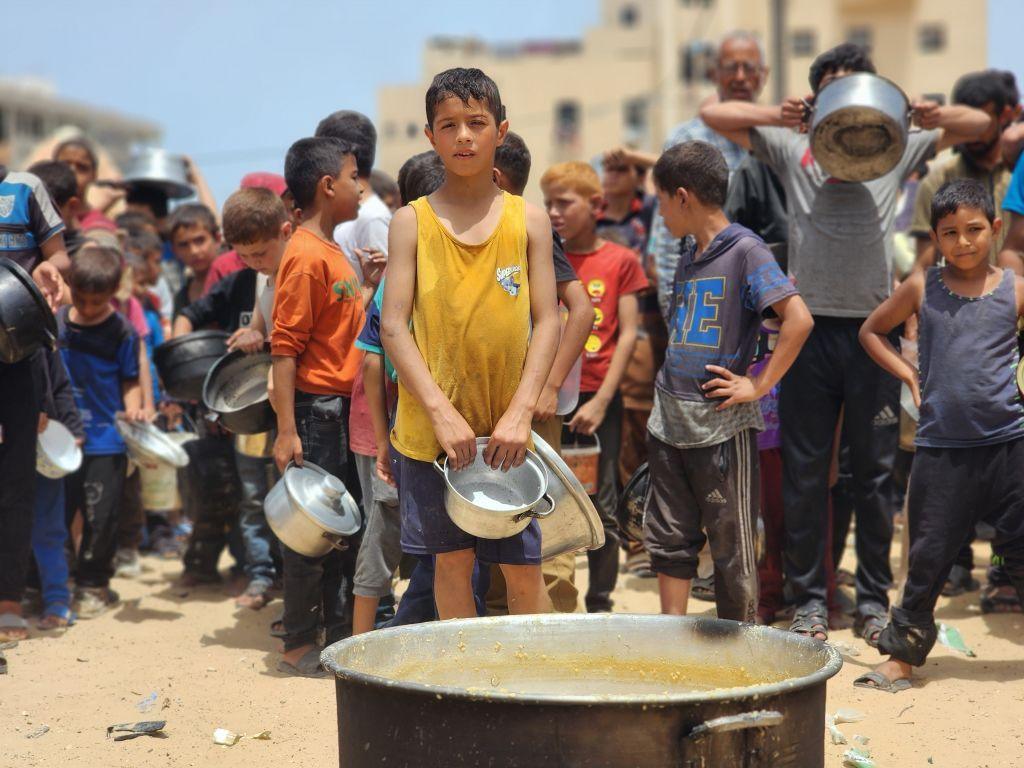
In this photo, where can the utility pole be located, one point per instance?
(668, 69)
(778, 26)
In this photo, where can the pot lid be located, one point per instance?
(58, 445)
(149, 442)
(323, 497)
(559, 471)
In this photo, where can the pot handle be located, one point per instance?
(339, 544)
(534, 513)
(695, 743)
(437, 463)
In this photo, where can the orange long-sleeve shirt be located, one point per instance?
(318, 313)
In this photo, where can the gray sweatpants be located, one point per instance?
(381, 548)
(706, 494)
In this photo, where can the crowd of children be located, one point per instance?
(498, 318)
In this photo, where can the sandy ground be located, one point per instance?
(212, 665)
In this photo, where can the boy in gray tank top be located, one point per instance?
(969, 463)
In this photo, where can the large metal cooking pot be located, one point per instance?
(26, 322)
(159, 168)
(235, 391)
(310, 510)
(147, 443)
(491, 503)
(574, 523)
(859, 127)
(57, 453)
(588, 691)
(184, 362)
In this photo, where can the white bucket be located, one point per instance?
(160, 480)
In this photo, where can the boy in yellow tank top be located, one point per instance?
(470, 321)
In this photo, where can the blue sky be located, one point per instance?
(234, 82)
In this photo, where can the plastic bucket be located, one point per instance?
(160, 481)
(581, 455)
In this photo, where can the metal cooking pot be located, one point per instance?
(235, 391)
(57, 453)
(632, 504)
(26, 322)
(184, 362)
(859, 126)
(581, 690)
(310, 510)
(157, 167)
(574, 524)
(492, 504)
(147, 442)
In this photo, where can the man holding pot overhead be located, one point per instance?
(840, 254)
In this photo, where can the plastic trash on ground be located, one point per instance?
(134, 730)
(951, 638)
(847, 649)
(147, 703)
(849, 716)
(225, 738)
(35, 733)
(835, 733)
(858, 758)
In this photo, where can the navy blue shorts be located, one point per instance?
(427, 529)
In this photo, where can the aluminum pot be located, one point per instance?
(235, 392)
(310, 510)
(159, 168)
(57, 453)
(26, 322)
(574, 524)
(184, 362)
(581, 690)
(859, 126)
(147, 443)
(492, 504)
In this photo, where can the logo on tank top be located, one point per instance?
(6, 205)
(507, 279)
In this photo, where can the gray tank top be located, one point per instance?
(968, 363)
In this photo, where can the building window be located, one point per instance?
(696, 3)
(28, 124)
(390, 131)
(634, 120)
(567, 122)
(412, 130)
(859, 36)
(931, 38)
(803, 42)
(628, 16)
(697, 62)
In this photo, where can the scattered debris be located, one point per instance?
(951, 638)
(81, 659)
(858, 758)
(862, 740)
(835, 733)
(904, 711)
(147, 703)
(3, 665)
(847, 649)
(134, 730)
(8, 645)
(211, 669)
(849, 716)
(261, 736)
(35, 733)
(930, 761)
(225, 738)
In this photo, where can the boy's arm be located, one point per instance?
(250, 338)
(451, 429)
(376, 400)
(577, 327)
(906, 301)
(131, 393)
(146, 383)
(734, 119)
(507, 446)
(287, 446)
(795, 324)
(960, 124)
(591, 414)
(55, 252)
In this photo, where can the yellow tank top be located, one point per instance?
(471, 323)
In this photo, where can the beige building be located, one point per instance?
(644, 67)
(30, 111)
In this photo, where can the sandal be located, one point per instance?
(703, 589)
(811, 621)
(307, 666)
(57, 617)
(255, 596)
(13, 628)
(876, 681)
(999, 599)
(277, 628)
(869, 627)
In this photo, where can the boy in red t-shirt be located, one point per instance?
(612, 275)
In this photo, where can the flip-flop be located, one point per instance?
(869, 627)
(307, 666)
(876, 681)
(277, 628)
(810, 622)
(12, 621)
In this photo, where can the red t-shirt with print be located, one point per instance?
(607, 273)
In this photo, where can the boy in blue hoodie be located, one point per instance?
(702, 444)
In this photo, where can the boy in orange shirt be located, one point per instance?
(318, 312)
(612, 276)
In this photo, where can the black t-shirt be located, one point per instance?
(564, 272)
(228, 305)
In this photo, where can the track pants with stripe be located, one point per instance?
(706, 494)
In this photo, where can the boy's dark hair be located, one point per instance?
(142, 242)
(512, 158)
(149, 195)
(354, 129)
(95, 269)
(420, 175)
(382, 184)
(961, 193)
(697, 167)
(134, 222)
(464, 84)
(848, 56)
(79, 143)
(252, 216)
(989, 86)
(193, 215)
(58, 178)
(308, 161)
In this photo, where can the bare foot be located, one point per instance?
(891, 676)
(12, 634)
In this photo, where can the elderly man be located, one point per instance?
(739, 74)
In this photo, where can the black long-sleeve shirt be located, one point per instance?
(228, 305)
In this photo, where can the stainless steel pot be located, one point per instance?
(146, 441)
(612, 690)
(57, 454)
(859, 127)
(235, 392)
(310, 510)
(157, 167)
(574, 523)
(492, 504)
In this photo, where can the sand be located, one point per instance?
(212, 666)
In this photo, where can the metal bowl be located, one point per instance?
(57, 453)
(159, 168)
(574, 524)
(235, 391)
(310, 510)
(146, 441)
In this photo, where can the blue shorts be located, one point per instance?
(427, 529)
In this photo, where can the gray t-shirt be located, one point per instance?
(840, 233)
(689, 424)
